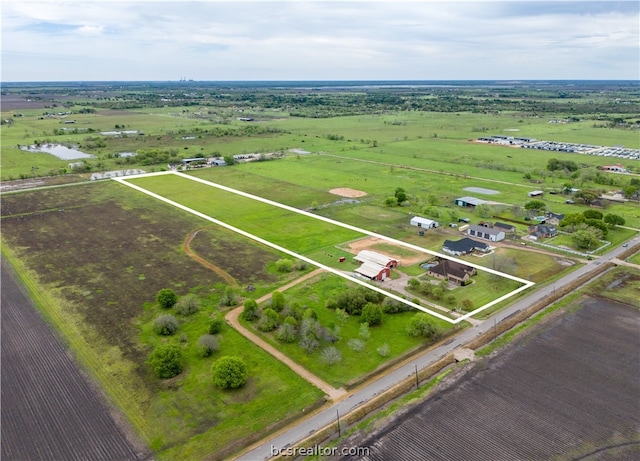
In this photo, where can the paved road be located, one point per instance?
(328, 415)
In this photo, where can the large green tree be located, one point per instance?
(614, 220)
(372, 314)
(166, 298)
(585, 239)
(535, 206)
(230, 372)
(166, 361)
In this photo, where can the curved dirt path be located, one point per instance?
(232, 319)
(187, 249)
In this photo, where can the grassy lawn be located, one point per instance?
(193, 419)
(288, 229)
(354, 364)
(635, 259)
(621, 284)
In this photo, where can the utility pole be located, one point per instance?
(338, 420)
(416, 365)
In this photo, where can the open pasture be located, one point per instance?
(296, 242)
(285, 228)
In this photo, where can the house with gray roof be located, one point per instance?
(464, 246)
(470, 202)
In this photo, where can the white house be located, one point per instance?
(487, 233)
(423, 223)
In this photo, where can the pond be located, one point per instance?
(60, 151)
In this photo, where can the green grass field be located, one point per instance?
(431, 155)
(354, 364)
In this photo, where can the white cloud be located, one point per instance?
(210, 40)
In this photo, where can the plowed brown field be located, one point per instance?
(49, 411)
(568, 390)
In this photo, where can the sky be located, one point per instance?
(141, 40)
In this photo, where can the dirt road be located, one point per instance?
(232, 319)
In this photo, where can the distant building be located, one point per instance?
(617, 168)
(423, 222)
(508, 228)
(470, 202)
(554, 218)
(487, 233)
(542, 231)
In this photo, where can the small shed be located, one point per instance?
(423, 222)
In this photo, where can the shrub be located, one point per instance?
(364, 332)
(286, 333)
(228, 298)
(592, 214)
(309, 343)
(371, 314)
(466, 304)
(166, 325)
(268, 320)
(422, 325)
(299, 265)
(331, 355)
(356, 344)
(230, 372)
(250, 311)
(207, 345)
(166, 361)
(284, 265)
(166, 298)
(216, 325)
(309, 314)
(391, 306)
(278, 301)
(188, 304)
(383, 350)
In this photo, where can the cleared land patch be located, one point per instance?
(347, 192)
(568, 390)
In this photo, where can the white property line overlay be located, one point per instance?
(525, 283)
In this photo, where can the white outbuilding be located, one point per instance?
(423, 222)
